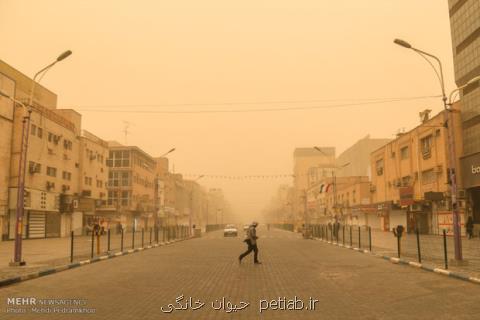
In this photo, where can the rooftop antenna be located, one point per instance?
(126, 125)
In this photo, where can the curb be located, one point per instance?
(409, 263)
(57, 269)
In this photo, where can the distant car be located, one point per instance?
(245, 227)
(230, 231)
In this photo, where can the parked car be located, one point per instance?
(230, 231)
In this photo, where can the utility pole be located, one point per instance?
(450, 146)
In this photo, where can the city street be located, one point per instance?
(346, 284)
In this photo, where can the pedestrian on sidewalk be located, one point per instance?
(251, 242)
(469, 227)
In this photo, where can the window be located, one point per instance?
(33, 131)
(67, 175)
(119, 159)
(52, 172)
(429, 176)
(88, 181)
(50, 137)
(426, 146)
(121, 198)
(99, 183)
(40, 132)
(119, 178)
(379, 167)
(67, 144)
(34, 167)
(404, 154)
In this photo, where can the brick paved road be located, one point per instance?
(348, 285)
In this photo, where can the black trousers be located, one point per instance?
(251, 247)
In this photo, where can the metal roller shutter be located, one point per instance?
(36, 224)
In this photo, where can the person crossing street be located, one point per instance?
(251, 241)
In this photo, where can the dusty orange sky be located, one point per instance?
(136, 53)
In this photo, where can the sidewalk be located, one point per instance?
(40, 254)
(431, 250)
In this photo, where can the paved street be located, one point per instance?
(347, 284)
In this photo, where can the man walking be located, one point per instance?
(251, 241)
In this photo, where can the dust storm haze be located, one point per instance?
(187, 74)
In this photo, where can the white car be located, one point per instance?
(230, 231)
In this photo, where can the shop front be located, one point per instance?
(471, 182)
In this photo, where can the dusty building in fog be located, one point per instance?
(52, 162)
(357, 157)
(410, 180)
(310, 166)
(131, 185)
(91, 205)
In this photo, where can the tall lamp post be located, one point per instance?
(450, 145)
(17, 258)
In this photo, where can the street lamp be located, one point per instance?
(450, 146)
(17, 260)
(450, 100)
(169, 151)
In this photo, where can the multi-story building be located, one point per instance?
(465, 31)
(7, 86)
(216, 206)
(197, 203)
(310, 166)
(358, 157)
(51, 162)
(131, 185)
(410, 180)
(339, 199)
(91, 202)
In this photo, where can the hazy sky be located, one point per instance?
(211, 52)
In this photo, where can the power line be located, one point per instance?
(334, 106)
(248, 102)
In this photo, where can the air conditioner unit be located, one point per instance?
(34, 168)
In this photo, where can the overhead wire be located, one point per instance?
(110, 109)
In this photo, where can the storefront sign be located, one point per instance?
(406, 196)
(471, 170)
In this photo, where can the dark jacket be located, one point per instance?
(252, 235)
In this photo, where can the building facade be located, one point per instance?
(465, 31)
(310, 167)
(358, 157)
(131, 185)
(410, 177)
